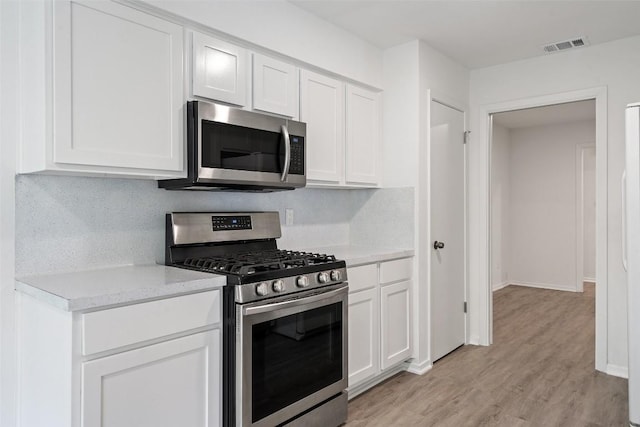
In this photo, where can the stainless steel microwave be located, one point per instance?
(233, 149)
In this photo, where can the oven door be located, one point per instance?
(291, 355)
(246, 148)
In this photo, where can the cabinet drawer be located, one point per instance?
(117, 327)
(393, 271)
(362, 277)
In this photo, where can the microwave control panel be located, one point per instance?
(296, 166)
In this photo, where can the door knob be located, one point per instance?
(438, 245)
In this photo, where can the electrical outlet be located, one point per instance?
(288, 216)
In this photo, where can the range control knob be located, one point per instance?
(336, 276)
(302, 281)
(278, 286)
(323, 277)
(262, 289)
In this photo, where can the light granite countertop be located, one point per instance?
(358, 255)
(105, 287)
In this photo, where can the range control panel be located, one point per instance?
(225, 223)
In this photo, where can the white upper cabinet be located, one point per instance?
(116, 91)
(275, 86)
(322, 108)
(219, 70)
(104, 89)
(363, 136)
(343, 132)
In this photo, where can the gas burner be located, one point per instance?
(248, 256)
(244, 264)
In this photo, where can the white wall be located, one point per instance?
(413, 72)
(500, 203)
(9, 74)
(400, 115)
(447, 80)
(543, 204)
(613, 65)
(443, 79)
(287, 29)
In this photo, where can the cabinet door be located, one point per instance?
(219, 70)
(173, 383)
(363, 137)
(118, 85)
(275, 86)
(363, 335)
(322, 108)
(395, 323)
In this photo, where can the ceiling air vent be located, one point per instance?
(566, 44)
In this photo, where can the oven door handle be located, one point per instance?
(248, 311)
(287, 153)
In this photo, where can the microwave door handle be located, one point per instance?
(287, 153)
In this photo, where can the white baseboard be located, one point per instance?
(501, 285)
(474, 340)
(354, 391)
(617, 371)
(419, 368)
(589, 280)
(567, 288)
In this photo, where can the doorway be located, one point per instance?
(543, 196)
(480, 265)
(447, 229)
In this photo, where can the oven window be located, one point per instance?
(295, 356)
(226, 146)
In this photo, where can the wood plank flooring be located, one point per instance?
(539, 372)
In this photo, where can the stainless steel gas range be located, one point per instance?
(285, 318)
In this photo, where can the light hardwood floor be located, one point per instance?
(539, 372)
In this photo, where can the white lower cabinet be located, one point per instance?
(379, 321)
(363, 335)
(168, 376)
(395, 324)
(167, 384)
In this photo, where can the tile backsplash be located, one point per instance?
(69, 223)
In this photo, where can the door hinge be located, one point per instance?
(465, 306)
(466, 136)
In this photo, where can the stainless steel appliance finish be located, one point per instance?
(265, 311)
(285, 318)
(233, 149)
(191, 228)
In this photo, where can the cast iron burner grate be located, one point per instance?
(244, 264)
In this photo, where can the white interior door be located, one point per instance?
(447, 227)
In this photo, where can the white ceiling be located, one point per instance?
(549, 115)
(480, 33)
